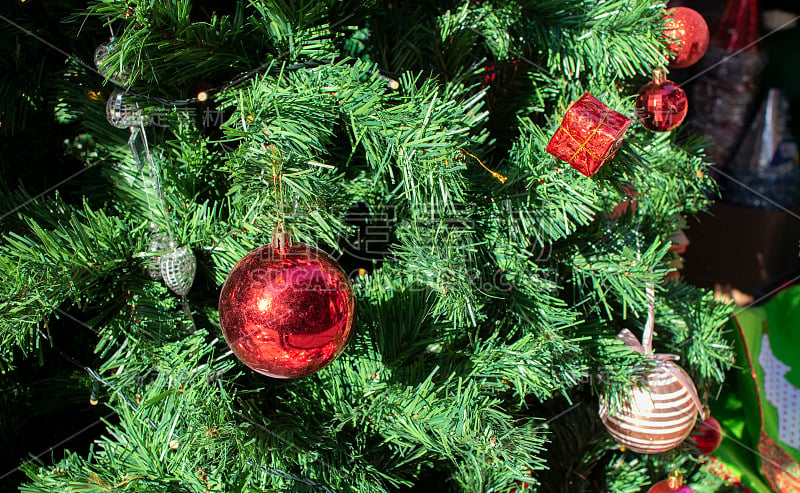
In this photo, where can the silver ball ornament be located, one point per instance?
(178, 268)
(114, 74)
(159, 243)
(123, 113)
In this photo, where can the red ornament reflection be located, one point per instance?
(286, 312)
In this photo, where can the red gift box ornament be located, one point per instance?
(589, 135)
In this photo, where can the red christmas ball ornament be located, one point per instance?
(286, 310)
(661, 104)
(706, 438)
(689, 37)
(674, 484)
(664, 487)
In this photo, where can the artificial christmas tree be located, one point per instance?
(486, 309)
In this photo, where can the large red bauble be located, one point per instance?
(661, 104)
(286, 310)
(689, 37)
(666, 486)
(706, 438)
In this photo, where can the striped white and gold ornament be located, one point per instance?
(658, 415)
(655, 417)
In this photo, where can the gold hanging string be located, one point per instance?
(500, 178)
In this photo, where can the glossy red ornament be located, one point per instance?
(706, 438)
(286, 310)
(689, 37)
(661, 104)
(674, 484)
(664, 487)
(589, 134)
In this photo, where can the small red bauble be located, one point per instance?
(672, 485)
(286, 310)
(664, 487)
(689, 37)
(661, 104)
(589, 134)
(706, 438)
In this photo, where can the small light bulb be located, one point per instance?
(202, 96)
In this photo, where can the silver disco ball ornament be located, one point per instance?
(101, 53)
(159, 244)
(114, 74)
(178, 268)
(123, 113)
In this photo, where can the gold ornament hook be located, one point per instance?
(675, 480)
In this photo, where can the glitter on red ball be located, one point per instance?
(689, 37)
(286, 310)
(706, 438)
(661, 104)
